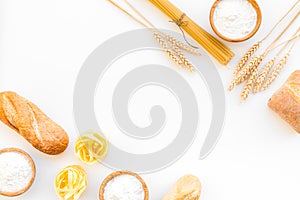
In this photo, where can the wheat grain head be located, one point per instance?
(263, 75)
(246, 57)
(282, 62)
(246, 90)
(246, 71)
(170, 54)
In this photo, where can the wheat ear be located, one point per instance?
(181, 45)
(246, 71)
(282, 62)
(185, 61)
(246, 57)
(167, 50)
(246, 90)
(263, 75)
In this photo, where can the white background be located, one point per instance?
(42, 47)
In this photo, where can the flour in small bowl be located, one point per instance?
(15, 172)
(124, 187)
(235, 19)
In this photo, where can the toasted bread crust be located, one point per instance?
(187, 187)
(286, 101)
(30, 122)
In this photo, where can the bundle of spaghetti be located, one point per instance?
(218, 50)
(168, 43)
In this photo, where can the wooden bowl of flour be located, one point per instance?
(17, 172)
(236, 25)
(121, 176)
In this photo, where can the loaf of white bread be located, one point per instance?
(286, 101)
(30, 122)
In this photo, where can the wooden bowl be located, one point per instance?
(119, 173)
(258, 22)
(23, 190)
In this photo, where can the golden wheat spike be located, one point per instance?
(246, 57)
(167, 50)
(246, 71)
(246, 90)
(263, 75)
(181, 56)
(181, 45)
(282, 62)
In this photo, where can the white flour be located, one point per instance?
(235, 19)
(124, 187)
(15, 172)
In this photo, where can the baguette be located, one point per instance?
(187, 187)
(286, 101)
(31, 123)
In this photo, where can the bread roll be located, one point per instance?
(286, 101)
(30, 122)
(187, 187)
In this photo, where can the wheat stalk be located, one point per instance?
(246, 71)
(263, 75)
(246, 90)
(181, 45)
(185, 61)
(174, 53)
(167, 50)
(207, 41)
(246, 57)
(282, 62)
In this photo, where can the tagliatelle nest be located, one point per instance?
(71, 182)
(91, 147)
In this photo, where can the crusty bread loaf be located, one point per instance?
(30, 122)
(187, 187)
(286, 101)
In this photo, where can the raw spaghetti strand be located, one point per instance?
(189, 48)
(207, 41)
(169, 44)
(173, 42)
(182, 46)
